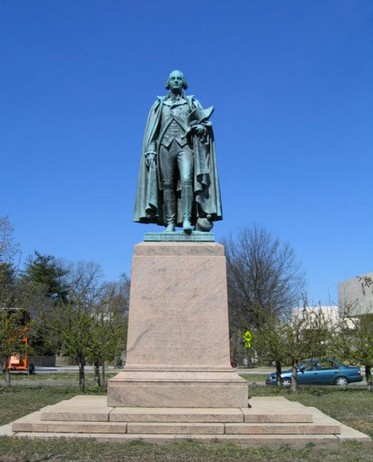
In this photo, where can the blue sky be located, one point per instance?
(292, 86)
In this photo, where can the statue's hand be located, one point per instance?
(151, 159)
(199, 130)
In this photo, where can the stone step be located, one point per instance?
(231, 429)
(69, 427)
(281, 429)
(247, 440)
(169, 415)
(161, 428)
(87, 409)
(270, 420)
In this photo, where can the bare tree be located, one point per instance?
(12, 333)
(8, 248)
(305, 333)
(353, 339)
(92, 323)
(109, 333)
(8, 270)
(264, 277)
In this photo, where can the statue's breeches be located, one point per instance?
(175, 163)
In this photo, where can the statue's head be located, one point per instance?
(176, 80)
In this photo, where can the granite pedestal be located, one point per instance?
(178, 339)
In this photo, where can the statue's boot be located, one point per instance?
(169, 210)
(187, 203)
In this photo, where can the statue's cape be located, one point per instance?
(149, 197)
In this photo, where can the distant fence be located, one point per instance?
(44, 361)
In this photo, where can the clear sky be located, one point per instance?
(292, 86)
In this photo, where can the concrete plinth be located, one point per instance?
(178, 339)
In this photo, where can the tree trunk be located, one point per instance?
(294, 377)
(278, 373)
(7, 376)
(368, 377)
(82, 374)
(97, 373)
(7, 372)
(103, 372)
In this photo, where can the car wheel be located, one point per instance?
(286, 382)
(341, 382)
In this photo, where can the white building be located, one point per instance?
(356, 295)
(329, 312)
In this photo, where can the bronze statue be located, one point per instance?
(178, 182)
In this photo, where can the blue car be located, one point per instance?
(320, 372)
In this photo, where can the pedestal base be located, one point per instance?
(178, 339)
(187, 389)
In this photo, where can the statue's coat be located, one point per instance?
(149, 196)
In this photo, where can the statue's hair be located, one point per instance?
(185, 83)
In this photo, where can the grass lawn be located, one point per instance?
(352, 406)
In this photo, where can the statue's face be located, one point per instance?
(176, 80)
